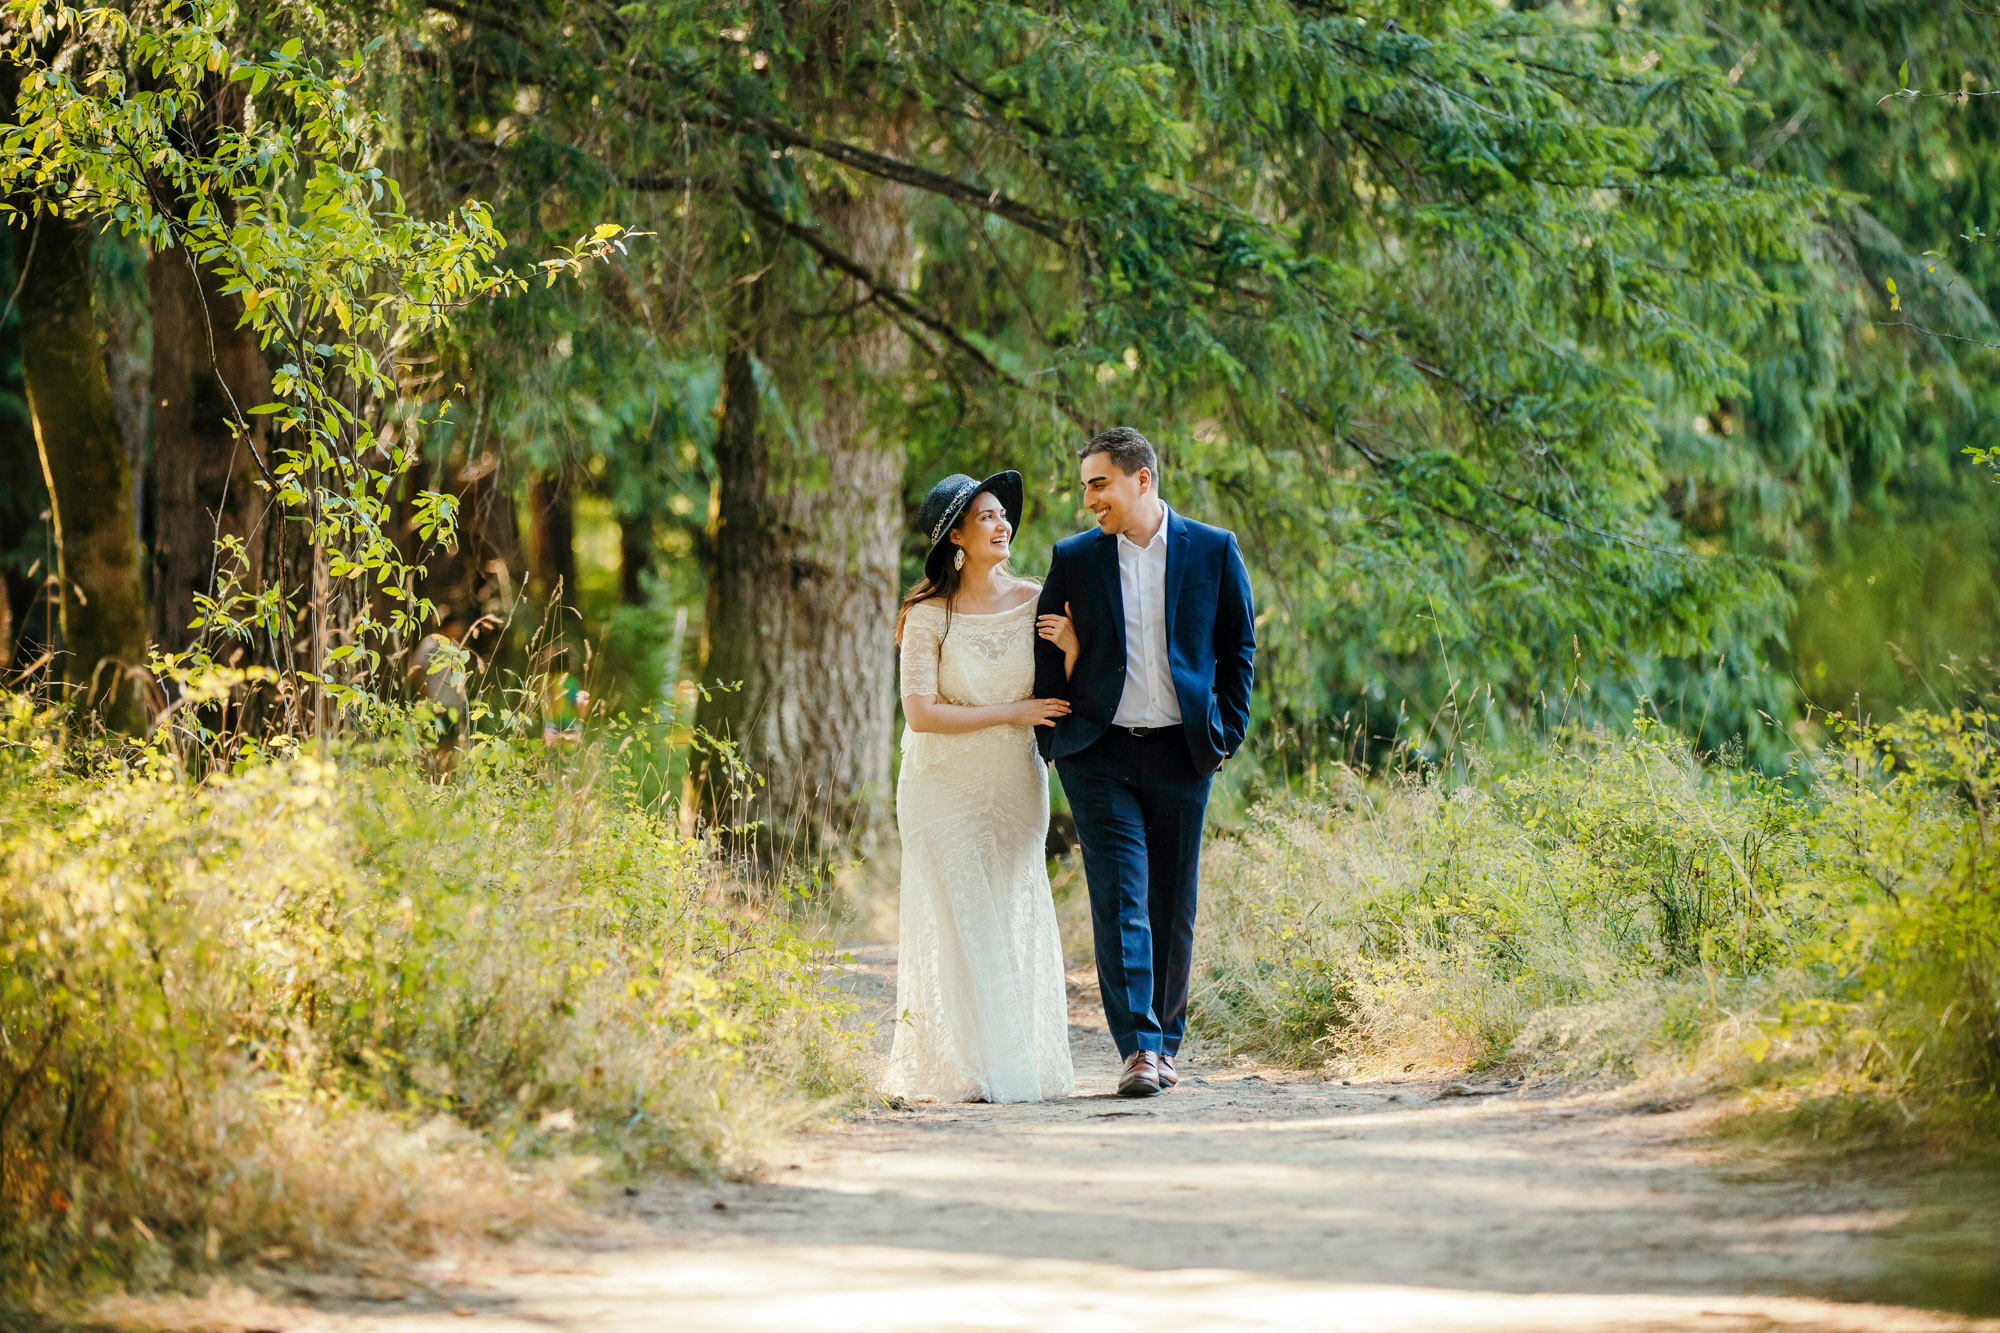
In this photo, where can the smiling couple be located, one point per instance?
(1130, 668)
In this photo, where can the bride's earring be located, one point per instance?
(958, 559)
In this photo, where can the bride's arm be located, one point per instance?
(923, 641)
(1060, 631)
(926, 714)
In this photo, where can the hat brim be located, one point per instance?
(1003, 486)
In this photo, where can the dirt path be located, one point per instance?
(1245, 1199)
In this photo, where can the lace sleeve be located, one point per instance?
(921, 644)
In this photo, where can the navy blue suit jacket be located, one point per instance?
(1211, 640)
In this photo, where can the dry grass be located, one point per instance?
(315, 1009)
(1620, 908)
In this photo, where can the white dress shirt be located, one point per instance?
(1148, 699)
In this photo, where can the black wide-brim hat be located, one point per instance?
(946, 503)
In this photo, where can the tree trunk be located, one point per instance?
(24, 536)
(206, 374)
(24, 500)
(83, 464)
(635, 557)
(472, 582)
(802, 593)
(118, 268)
(552, 520)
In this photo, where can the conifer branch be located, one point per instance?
(892, 298)
(987, 199)
(1385, 465)
(1932, 333)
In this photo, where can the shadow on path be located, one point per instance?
(1244, 1199)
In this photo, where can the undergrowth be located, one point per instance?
(1619, 906)
(318, 1007)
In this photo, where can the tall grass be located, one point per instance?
(320, 1005)
(1617, 906)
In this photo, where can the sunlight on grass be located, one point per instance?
(315, 1008)
(1617, 907)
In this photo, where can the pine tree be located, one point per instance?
(1398, 288)
(1842, 455)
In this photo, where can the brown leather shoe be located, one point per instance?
(1141, 1075)
(1166, 1072)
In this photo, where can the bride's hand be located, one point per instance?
(1040, 712)
(1058, 630)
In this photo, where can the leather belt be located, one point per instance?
(1145, 733)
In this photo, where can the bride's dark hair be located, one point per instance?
(926, 589)
(923, 591)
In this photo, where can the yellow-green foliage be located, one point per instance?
(1911, 1019)
(1617, 904)
(313, 1004)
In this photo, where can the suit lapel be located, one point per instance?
(1177, 560)
(1114, 591)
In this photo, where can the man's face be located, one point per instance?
(1115, 497)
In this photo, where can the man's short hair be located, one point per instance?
(1129, 451)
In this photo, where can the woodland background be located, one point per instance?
(1604, 396)
(1531, 349)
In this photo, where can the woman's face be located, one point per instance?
(984, 532)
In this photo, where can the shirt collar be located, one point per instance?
(1159, 536)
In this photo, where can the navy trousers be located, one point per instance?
(1139, 804)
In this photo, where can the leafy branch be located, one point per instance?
(336, 278)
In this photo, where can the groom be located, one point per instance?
(1159, 692)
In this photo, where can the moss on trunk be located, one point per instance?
(84, 464)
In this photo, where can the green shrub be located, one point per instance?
(1904, 1018)
(1617, 905)
(319, 1004)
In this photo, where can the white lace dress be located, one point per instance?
(981, 1010)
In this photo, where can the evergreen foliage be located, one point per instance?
(1867, 382)
(1531, 352)
(1401, 289)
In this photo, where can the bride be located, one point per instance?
(981, 1010)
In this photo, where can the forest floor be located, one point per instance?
(1248, 1198)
